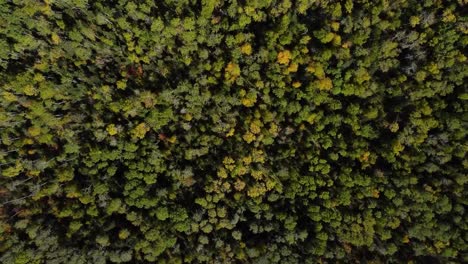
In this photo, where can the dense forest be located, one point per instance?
(233, 131)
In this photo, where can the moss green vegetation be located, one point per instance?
(258, 131)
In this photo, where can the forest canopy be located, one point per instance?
(235, 131)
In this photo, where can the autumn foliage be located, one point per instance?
(259, 131)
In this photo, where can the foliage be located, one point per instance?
(262, 131)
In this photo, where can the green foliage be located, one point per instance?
(260, 131)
